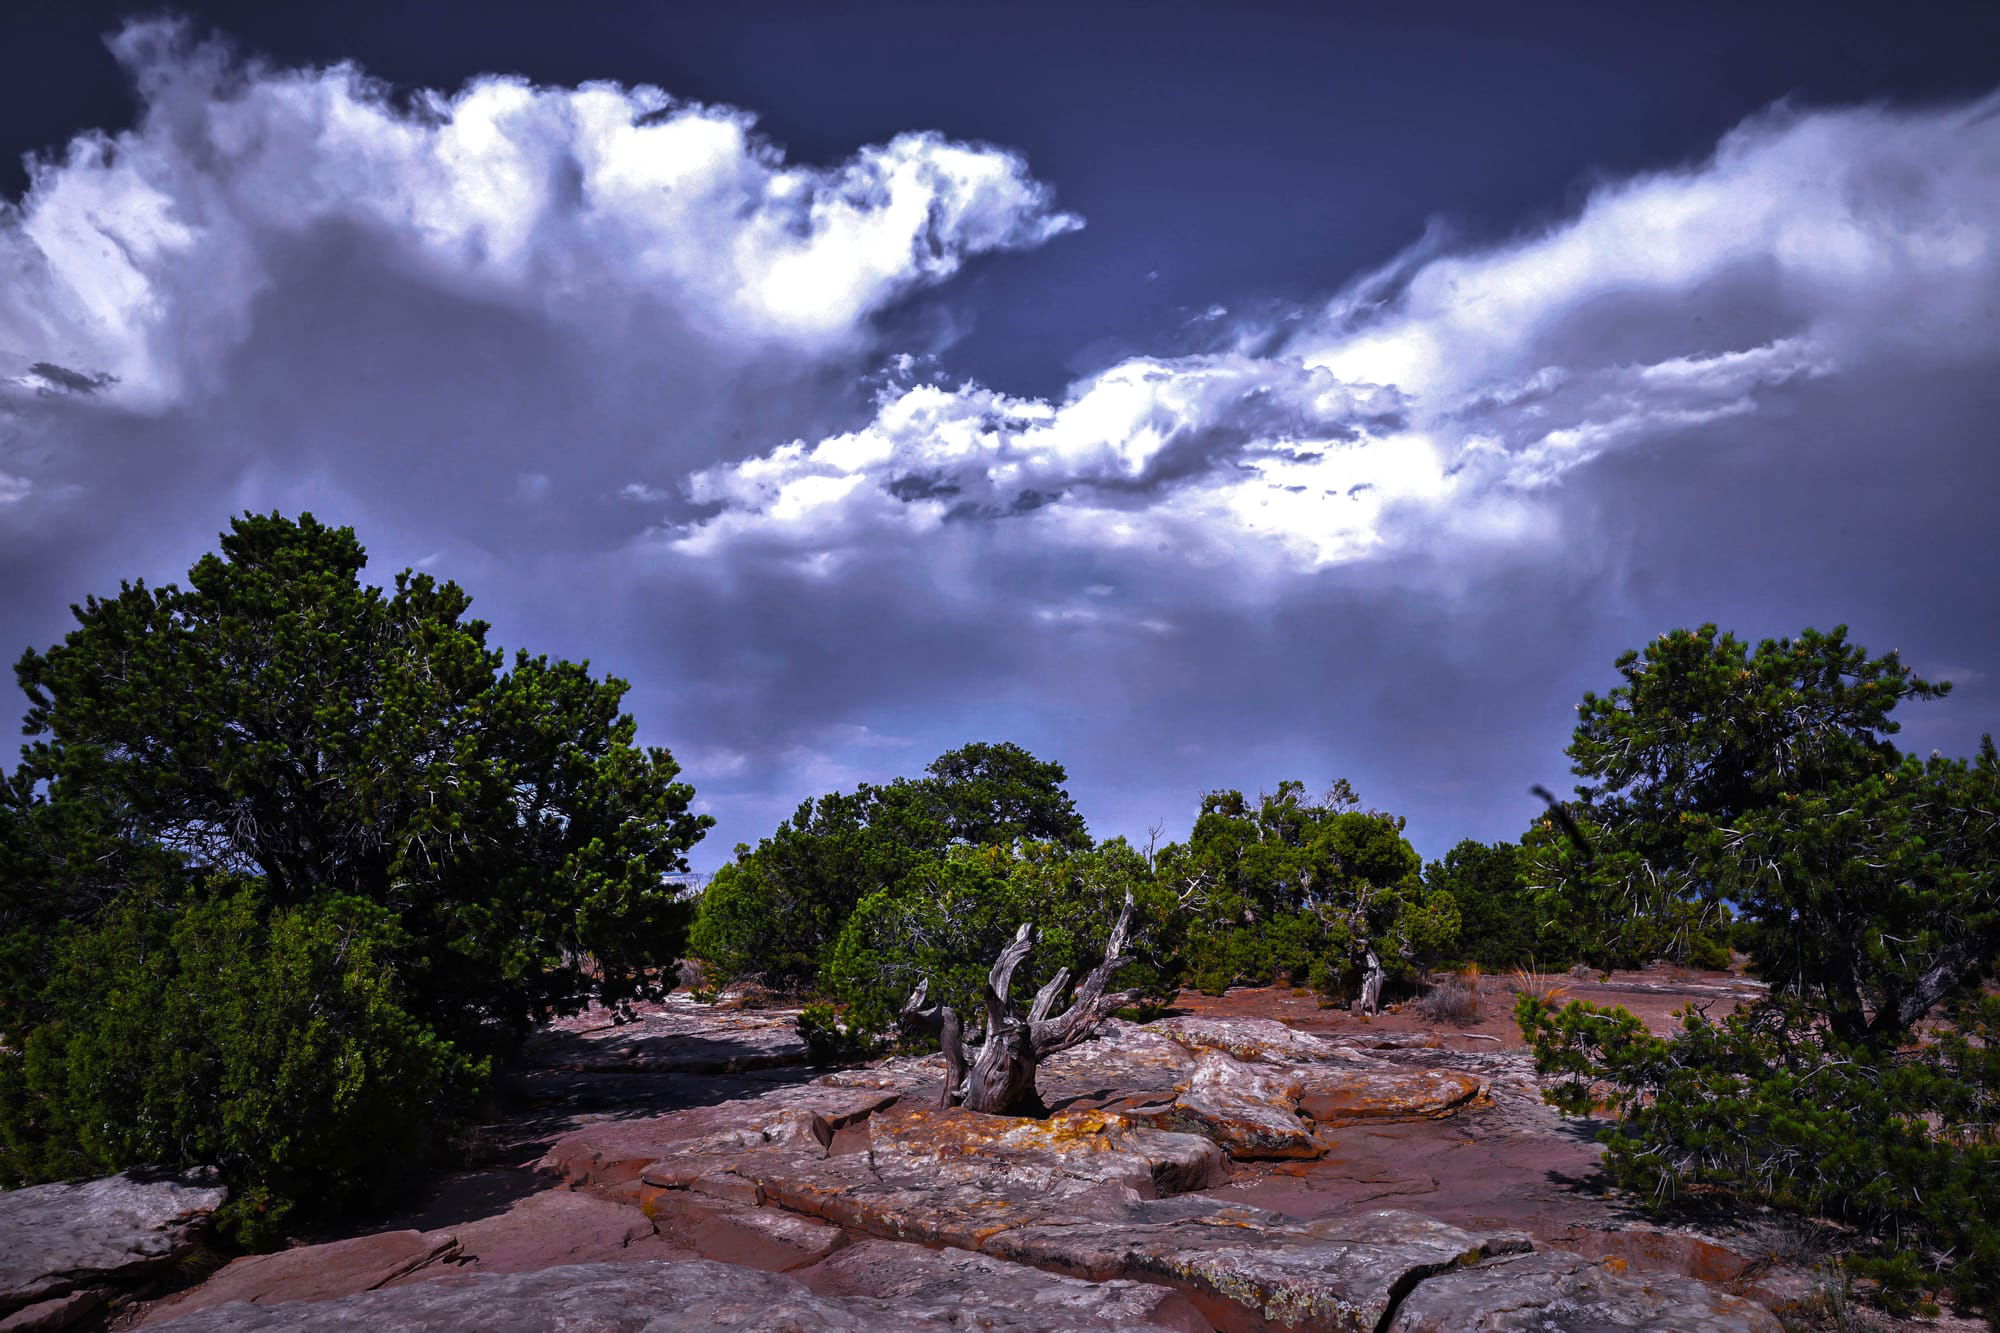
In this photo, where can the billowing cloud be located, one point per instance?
(140, 255)
(1442, 394)
(662, 397)
(1395, 535)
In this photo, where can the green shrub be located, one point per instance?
(947, 922)
(776, 911)
(829, 1040)
(271, 1043)
(1298, 889)
(1865, 1088)
(1501, 926)
(288, 858)
(1766, 1107)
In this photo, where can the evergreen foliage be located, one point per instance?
(1298, 888)
(1866, 1088)
(274, 1043)
(1702, 734)
(1500, 924)
(948, 921)
(776, 911)
(288, 858)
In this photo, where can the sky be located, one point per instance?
(1198, 396)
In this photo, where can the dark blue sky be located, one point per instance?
(1689, 313)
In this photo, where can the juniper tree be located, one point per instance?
(1864, 1088)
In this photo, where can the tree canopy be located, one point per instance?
(777, 910)
(1301, 887)
(357, 774)
(1864, 1088)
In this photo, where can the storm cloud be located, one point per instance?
(659, 396)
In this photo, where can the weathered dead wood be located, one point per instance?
(997, 1073)
(1371, 986)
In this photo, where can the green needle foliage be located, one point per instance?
(1500, 925)
(948, 921)
(355, 775)
(1302, 888)
(776, 912)
(1865, 1090)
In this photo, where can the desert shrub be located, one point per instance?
(1544, 985)
(1450, 1001)
(287, 858)
(273, 1043)
(947, 922)
(829, 1040)
(1866, 1088)
(776, 911)
(1901, 1144)
(1293, 888)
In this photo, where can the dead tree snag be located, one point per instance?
(997, 1073)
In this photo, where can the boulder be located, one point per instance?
(1551, 1291)
(1384, 1092)
(65, 1246)
(1008, 1152)
(1250, 1111)
(1260, 1109)
(656, 1297)
(1254, 1039)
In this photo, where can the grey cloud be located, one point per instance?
(1393, 542)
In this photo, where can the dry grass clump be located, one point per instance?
(1547, 986)
(1450, 1001)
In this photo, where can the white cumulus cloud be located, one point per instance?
(140, 255)
(1436, 399)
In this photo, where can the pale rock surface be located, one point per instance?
(911, 1275)
(75, 1239)
(1550, 1291)
(662, 1298)
(673, 1036)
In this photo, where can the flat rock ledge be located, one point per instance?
(66, 1250)
(1106, 1195)
(947, 1291)
(853, 1202)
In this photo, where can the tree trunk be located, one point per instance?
(1371, 987)
(997, 1074)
